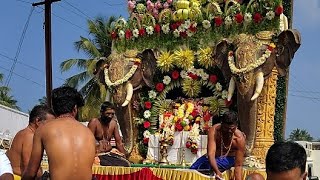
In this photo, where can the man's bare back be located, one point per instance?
(70, 148)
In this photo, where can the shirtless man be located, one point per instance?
(20, 150)
(70, 146)
(226, 147)
(106, 127)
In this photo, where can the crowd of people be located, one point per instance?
(72, 148)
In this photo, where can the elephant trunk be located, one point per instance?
(129, 88)
(259, 85)
(232, 86)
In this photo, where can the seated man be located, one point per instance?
(5, 167)
(286, 161)
(106, 127)
(226, 148)
(69, 145)
(20, 151)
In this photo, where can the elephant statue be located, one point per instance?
(123, 75)
(252, 61)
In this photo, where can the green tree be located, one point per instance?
(5, 98)
(98, 44)
(300, 135)
(43, 100)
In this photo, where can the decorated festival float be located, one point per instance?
(178, 65)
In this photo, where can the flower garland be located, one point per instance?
(125, 78)
(251, 66)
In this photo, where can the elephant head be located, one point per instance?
(122, 74)
(249, 65)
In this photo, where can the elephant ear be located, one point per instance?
(289, 42)
(148, 67)
(220, 56)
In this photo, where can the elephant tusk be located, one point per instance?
(259, 85)
(129, 94)
(232, 86)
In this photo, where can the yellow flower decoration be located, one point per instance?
(183, 58)
(165, 61)
(205, 58)
(191, 88)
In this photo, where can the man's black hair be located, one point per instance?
(39, 111)
(106, 105)
(285, 156)
(230, 118)
(64, 99)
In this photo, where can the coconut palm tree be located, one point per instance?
(5, 98)
(98, 44)
(300, 135)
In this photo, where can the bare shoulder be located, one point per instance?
(214, 128)
(239, 136)
(94, 121)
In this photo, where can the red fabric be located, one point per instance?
(143, 174)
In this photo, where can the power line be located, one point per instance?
(70, 10)
(312, 92)
(19, 47)
(306, 97)
(117, 4)
(27, 65)
(77, 9)
(296, 80)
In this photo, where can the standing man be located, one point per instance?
(286, 161)
(5, 167)
(70, 146)
(226, 148)
(106, 127)
(20, 150)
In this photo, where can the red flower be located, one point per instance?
(228, 103)
(279, 10)
(147, 105)
(146, 124)
(193, 76)
(218, 21)
(128, 34)
(213, 78)
(188, 144)
(178, 23)
(173, 26)
(183, 34)
(194, 113)
(175, 75)
(179, 127)
(157, 28)
(159, 87)
(194, 151)
(257, 18)
(114, 35)
(145, 140)
(270, 48)
(207, 116)
(239, 18)
(142, 32)
(192, 28)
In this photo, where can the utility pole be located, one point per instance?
(48, 48)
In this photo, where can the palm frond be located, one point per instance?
(69, 63)
(78, 79)
(87, 46)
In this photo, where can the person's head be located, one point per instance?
(286, 160)
(255, 176)
(66, 100)
(229, 122)
(107, 111)
(39, 114)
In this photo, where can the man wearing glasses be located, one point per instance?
(106, 127)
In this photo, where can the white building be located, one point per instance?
(313, 157)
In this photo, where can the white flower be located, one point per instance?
(147, 114)
(270, 15)
(121, 34)
(248, 17)
(218, 87)
(206, 24)
(194, 24)
(187, 23)
(135, 33)
(228, 20)
(189, 33)
(186, 121)
(183, 74)
(176, 33)
(224, 94)
(166, 80)
(146, 134)
(165, 28)
(183, 27)
(152, 94)
(205, 76)
(149, 30)
(199, 72)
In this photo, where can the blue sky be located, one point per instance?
(68, 24)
